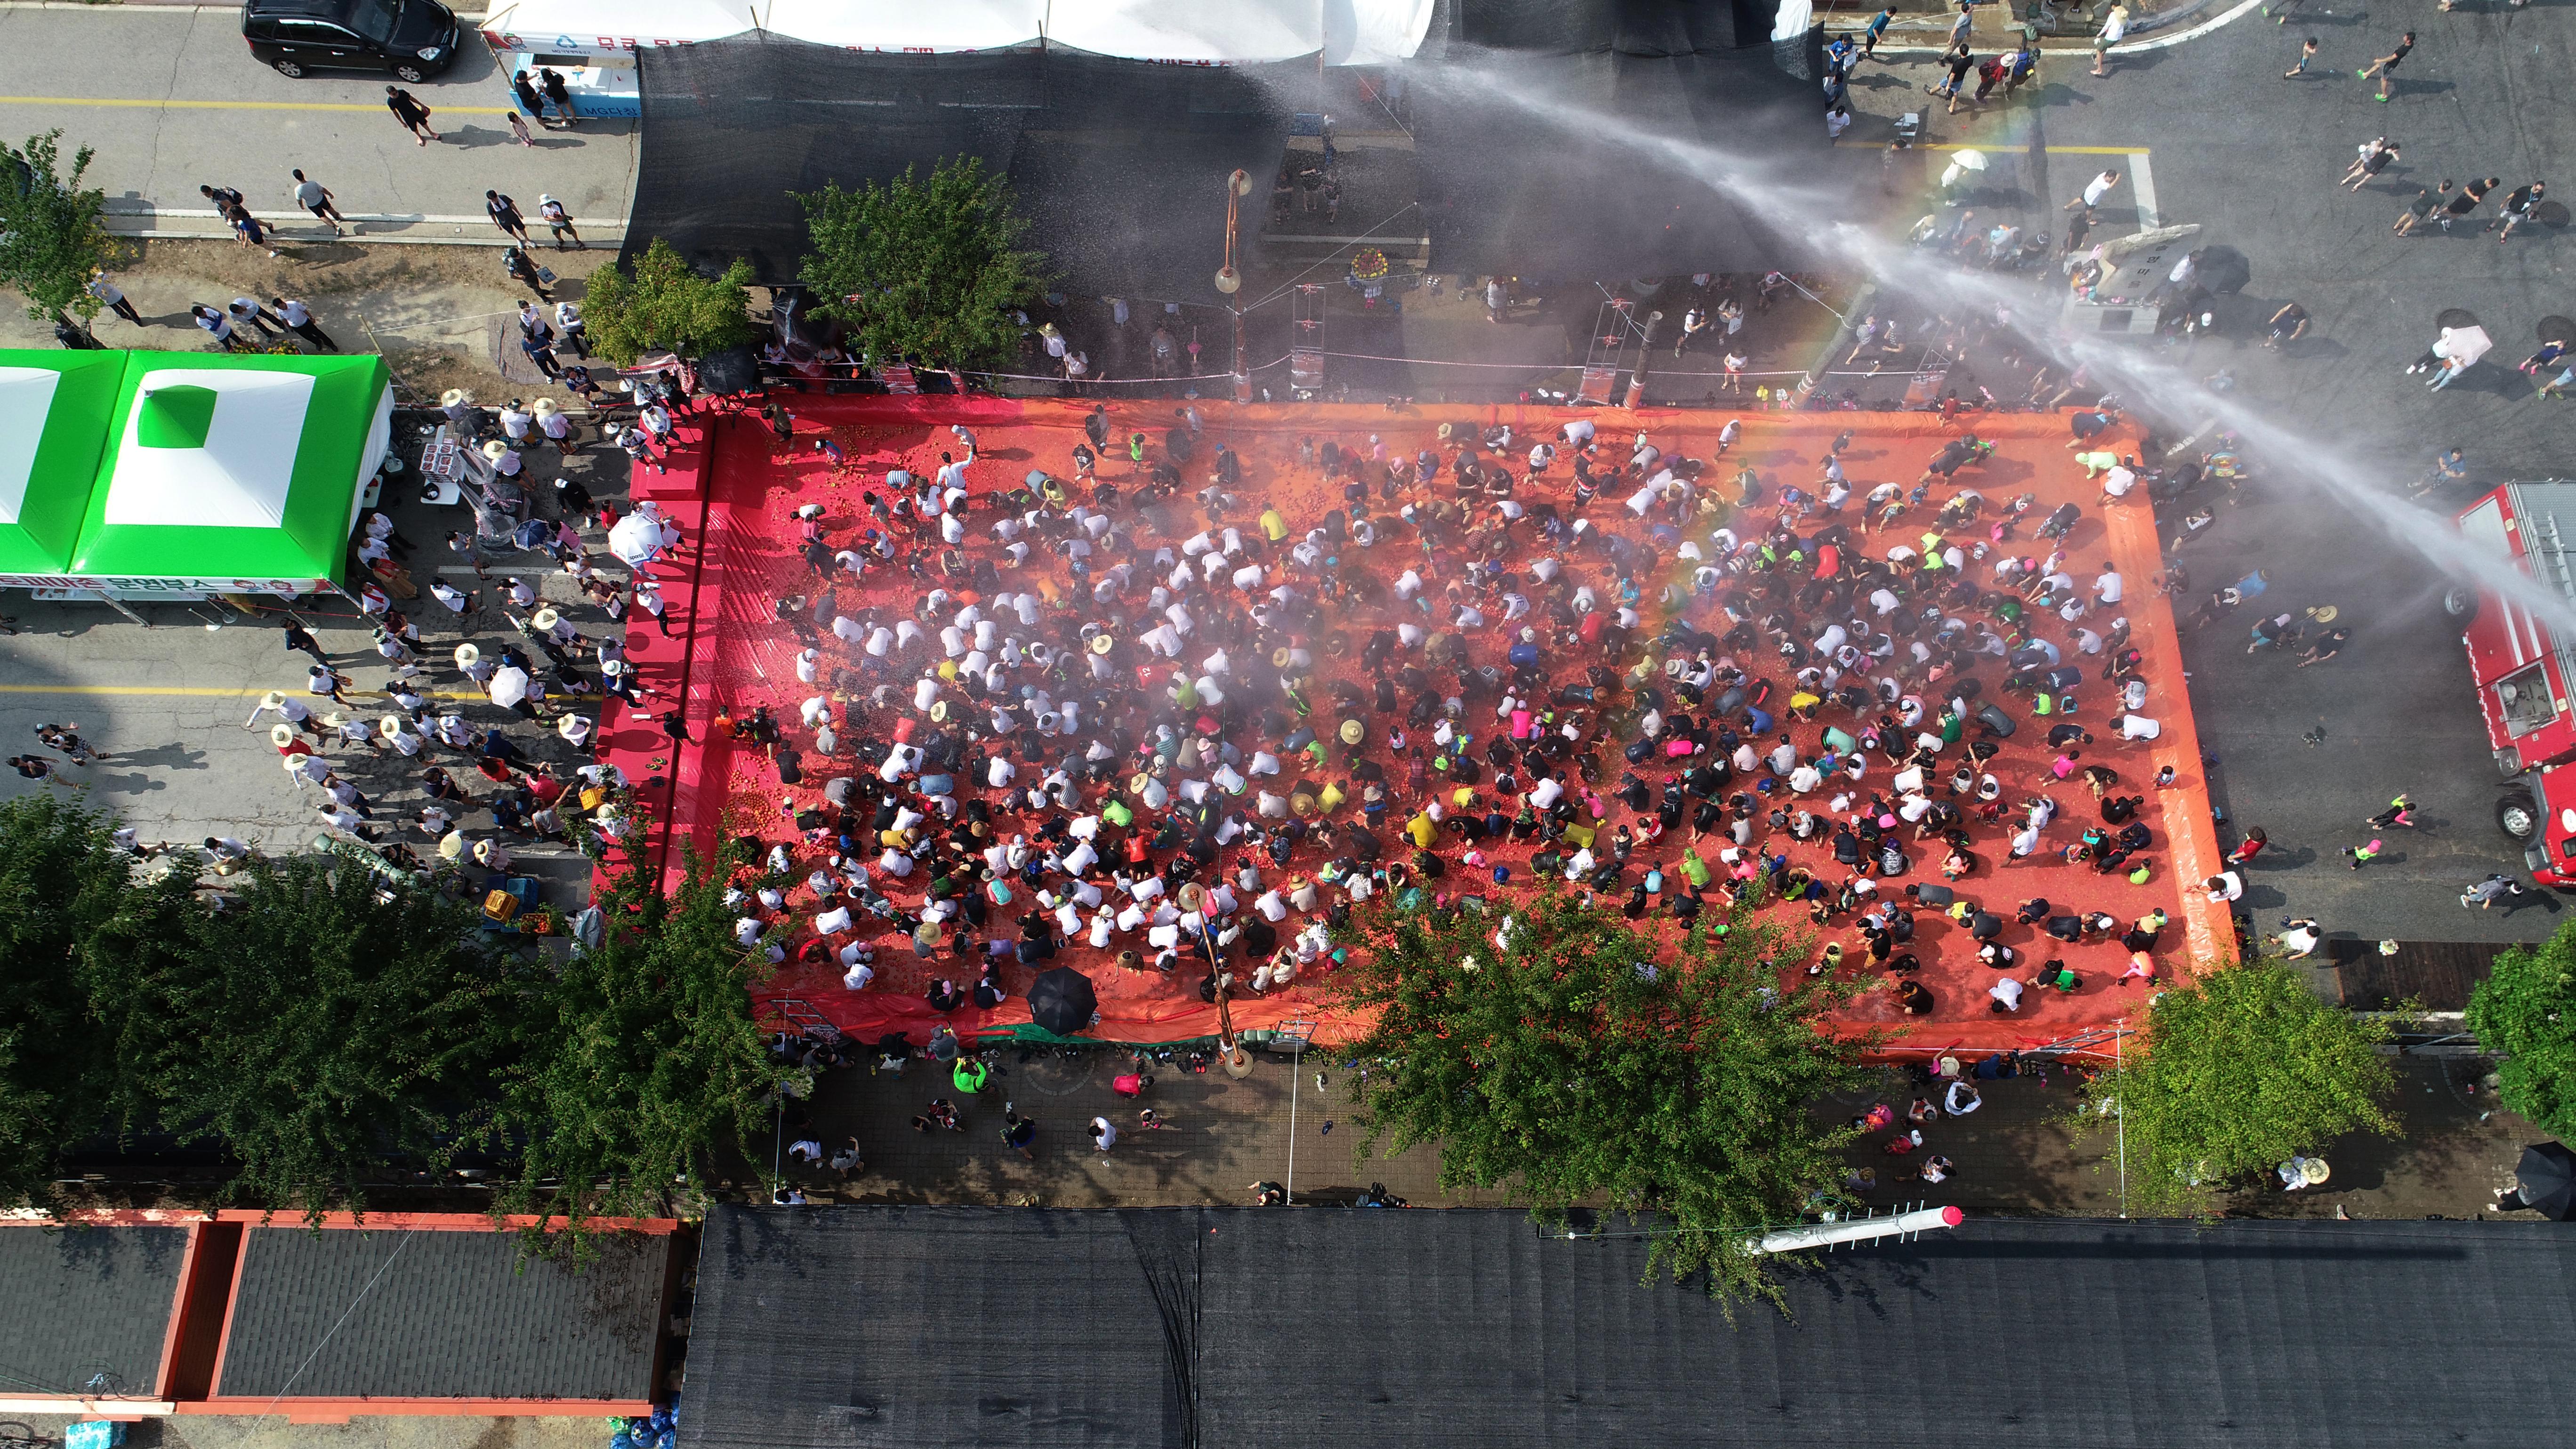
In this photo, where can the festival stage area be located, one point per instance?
(736, 495)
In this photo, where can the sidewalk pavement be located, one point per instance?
(171, 99)
(2014, 1155)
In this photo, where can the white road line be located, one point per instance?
(2142, 180)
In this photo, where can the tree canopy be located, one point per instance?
(643, 1055)
(52, 232)
(666, 306)
(319, 1027)
(70, 909)
(928, 271)
(2526, 1012)
(2232, 1075)
(1583, 1059)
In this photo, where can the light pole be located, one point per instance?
(1230, 282)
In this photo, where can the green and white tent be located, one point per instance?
(201, 472)
(54, 413)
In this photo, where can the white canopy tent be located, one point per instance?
(1347, 32)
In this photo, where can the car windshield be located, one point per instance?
(375, 19)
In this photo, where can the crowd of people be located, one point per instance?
(1141, 712)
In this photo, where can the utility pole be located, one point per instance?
(1645, 359)
(1230, 282)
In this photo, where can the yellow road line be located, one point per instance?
(133, 104)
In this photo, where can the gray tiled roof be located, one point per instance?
(440, 1315)
(849, 1328)
(86, 1308)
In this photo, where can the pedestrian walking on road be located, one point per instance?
(2363, 854)
(524, 271)
(1877, 31)
(505, 215)
(315, 197)
(33, 767)
(108, 292)
(299, 319)
(2519, 204)
(2094, 190)
(519, 131)
(2373, 160)
(408, 110)
(299, 637)
(1104, 1135)
(217, 325)
(2386, 65)
(559, 221)
(322, 680)
(2307, 52)
(2115, 28)
(1019, 1133)
(2400, 811)
(570, 327)
(2427, 201)
(247, 313)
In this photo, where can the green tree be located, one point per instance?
(926, 271)
(2232, 1075)
(319, 1027)
(52, 235)
(642, 1058)
(2526, 1012)
(667, 306)
(1562, 1068)
(69, 903)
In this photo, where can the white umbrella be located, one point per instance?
(509, 687)
(1973, 160)
(636, 540)
(2465, 345)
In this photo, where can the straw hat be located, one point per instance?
(281, 735)
(570, 725)
(454, 397)
(467, 655)
(545, 407)
(1100, 643)
(1352, 732)
(939, 711)
(495, 449)
(545, 618)
(1279, 657)
(1445, 430)
(334, 720)
(612, 665)
(274, 699)
(394, 724)
(2325, 613)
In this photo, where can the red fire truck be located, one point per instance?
(2526, 676)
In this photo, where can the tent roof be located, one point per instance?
(232, 467)
(54, 413)
(1348, 32)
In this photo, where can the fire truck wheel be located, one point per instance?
(2518, 814)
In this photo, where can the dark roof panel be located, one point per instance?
(400, 1313)
(87, 1308)
(858, 1327)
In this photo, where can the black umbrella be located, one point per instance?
(2223, 270)
(2554, 328)
(2547, 1174)
(1062, 1001)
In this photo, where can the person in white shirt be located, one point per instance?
(1104, 1134)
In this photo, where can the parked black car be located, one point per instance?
(413, 39)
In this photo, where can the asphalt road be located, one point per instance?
(2255, 158)
(171, 99)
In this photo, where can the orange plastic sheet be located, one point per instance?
(738, 495)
